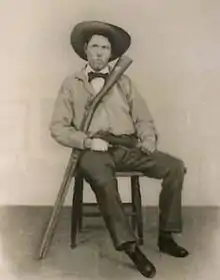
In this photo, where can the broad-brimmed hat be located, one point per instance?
(120, 40)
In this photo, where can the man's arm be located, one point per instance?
(143, 121)
(61, 123)
(61, 127)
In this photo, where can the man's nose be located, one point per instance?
(99, 52)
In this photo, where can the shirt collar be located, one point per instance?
(83, 73)
(88, 69)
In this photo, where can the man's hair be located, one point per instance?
(107, 36)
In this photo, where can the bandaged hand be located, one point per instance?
(97, 144)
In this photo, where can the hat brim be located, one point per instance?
(120, 40)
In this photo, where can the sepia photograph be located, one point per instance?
(109, 139)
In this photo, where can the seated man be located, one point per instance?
(122, 136)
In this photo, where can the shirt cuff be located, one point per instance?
(78, 140)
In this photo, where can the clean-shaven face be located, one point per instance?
(98, 51)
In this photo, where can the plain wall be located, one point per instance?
(175, 48)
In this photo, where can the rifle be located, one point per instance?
(128, 141)
(122, 64)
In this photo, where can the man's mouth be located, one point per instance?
(98, 61)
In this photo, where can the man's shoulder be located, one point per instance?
(125, 78)
(126, 83)
(72, 79)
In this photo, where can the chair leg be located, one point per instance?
(80, 221)
(134, 210)
(76, 219)
(137, 206)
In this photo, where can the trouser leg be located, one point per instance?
(170, 201)
(98, 169)
(160, 166)
(171, 171)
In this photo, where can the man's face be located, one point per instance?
(98, 51)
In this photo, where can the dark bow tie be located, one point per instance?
(93, 75)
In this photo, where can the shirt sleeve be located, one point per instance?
(142, 118)
(61, 125)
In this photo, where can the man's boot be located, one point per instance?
(167, 245)
(144, 266)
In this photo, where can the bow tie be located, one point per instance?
(93, 75)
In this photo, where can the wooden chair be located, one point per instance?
(134, 206)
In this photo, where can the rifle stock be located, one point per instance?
(122, 64)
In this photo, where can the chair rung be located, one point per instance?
(95, 204)
(98, 214)
(91, 214)
(86, 214)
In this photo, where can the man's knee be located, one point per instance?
(169, 164)
(176, 173)
(177, 165)
(97, 167)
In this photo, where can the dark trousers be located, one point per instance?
(99, 169)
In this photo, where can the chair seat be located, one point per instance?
(129, 174)
(135, 173)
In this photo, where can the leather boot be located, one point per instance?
(144, 266)
(168, 246)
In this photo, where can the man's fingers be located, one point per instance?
(99, 145)
(148, 150)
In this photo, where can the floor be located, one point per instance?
(95, 257)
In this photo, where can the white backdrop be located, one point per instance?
(175, 48)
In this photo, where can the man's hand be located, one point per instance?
(97, 144)
(148, 148)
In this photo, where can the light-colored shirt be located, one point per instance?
(103, 121)
(112, 108)
(97, 83)
(122, 111)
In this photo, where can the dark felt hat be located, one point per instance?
(120, 40)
